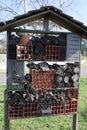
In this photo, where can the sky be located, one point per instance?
(78, 9)
(80, 12)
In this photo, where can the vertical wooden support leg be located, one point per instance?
(6, 120)
(46, 24)
(75, 122)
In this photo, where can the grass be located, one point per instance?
(63, 122)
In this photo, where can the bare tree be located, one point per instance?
(12, 8)
(65, 3)
(39, 3)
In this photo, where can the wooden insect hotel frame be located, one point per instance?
(51, 86)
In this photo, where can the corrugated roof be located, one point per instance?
(53, 14)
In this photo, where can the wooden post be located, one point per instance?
(6, 120)
(75, 116)
(46, 24)
(75, 122)
(13, 66)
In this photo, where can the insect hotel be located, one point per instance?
(51, 84)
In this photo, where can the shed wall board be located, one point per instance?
(73, 47)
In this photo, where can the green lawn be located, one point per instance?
(63, 122)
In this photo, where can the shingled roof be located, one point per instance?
(53, 14)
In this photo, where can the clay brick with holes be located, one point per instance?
(32, 110)
(69, 108)
(22, 111)
(24, 52)
(74, 106)
(57, 108)
(52, 52)
(42, 79)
